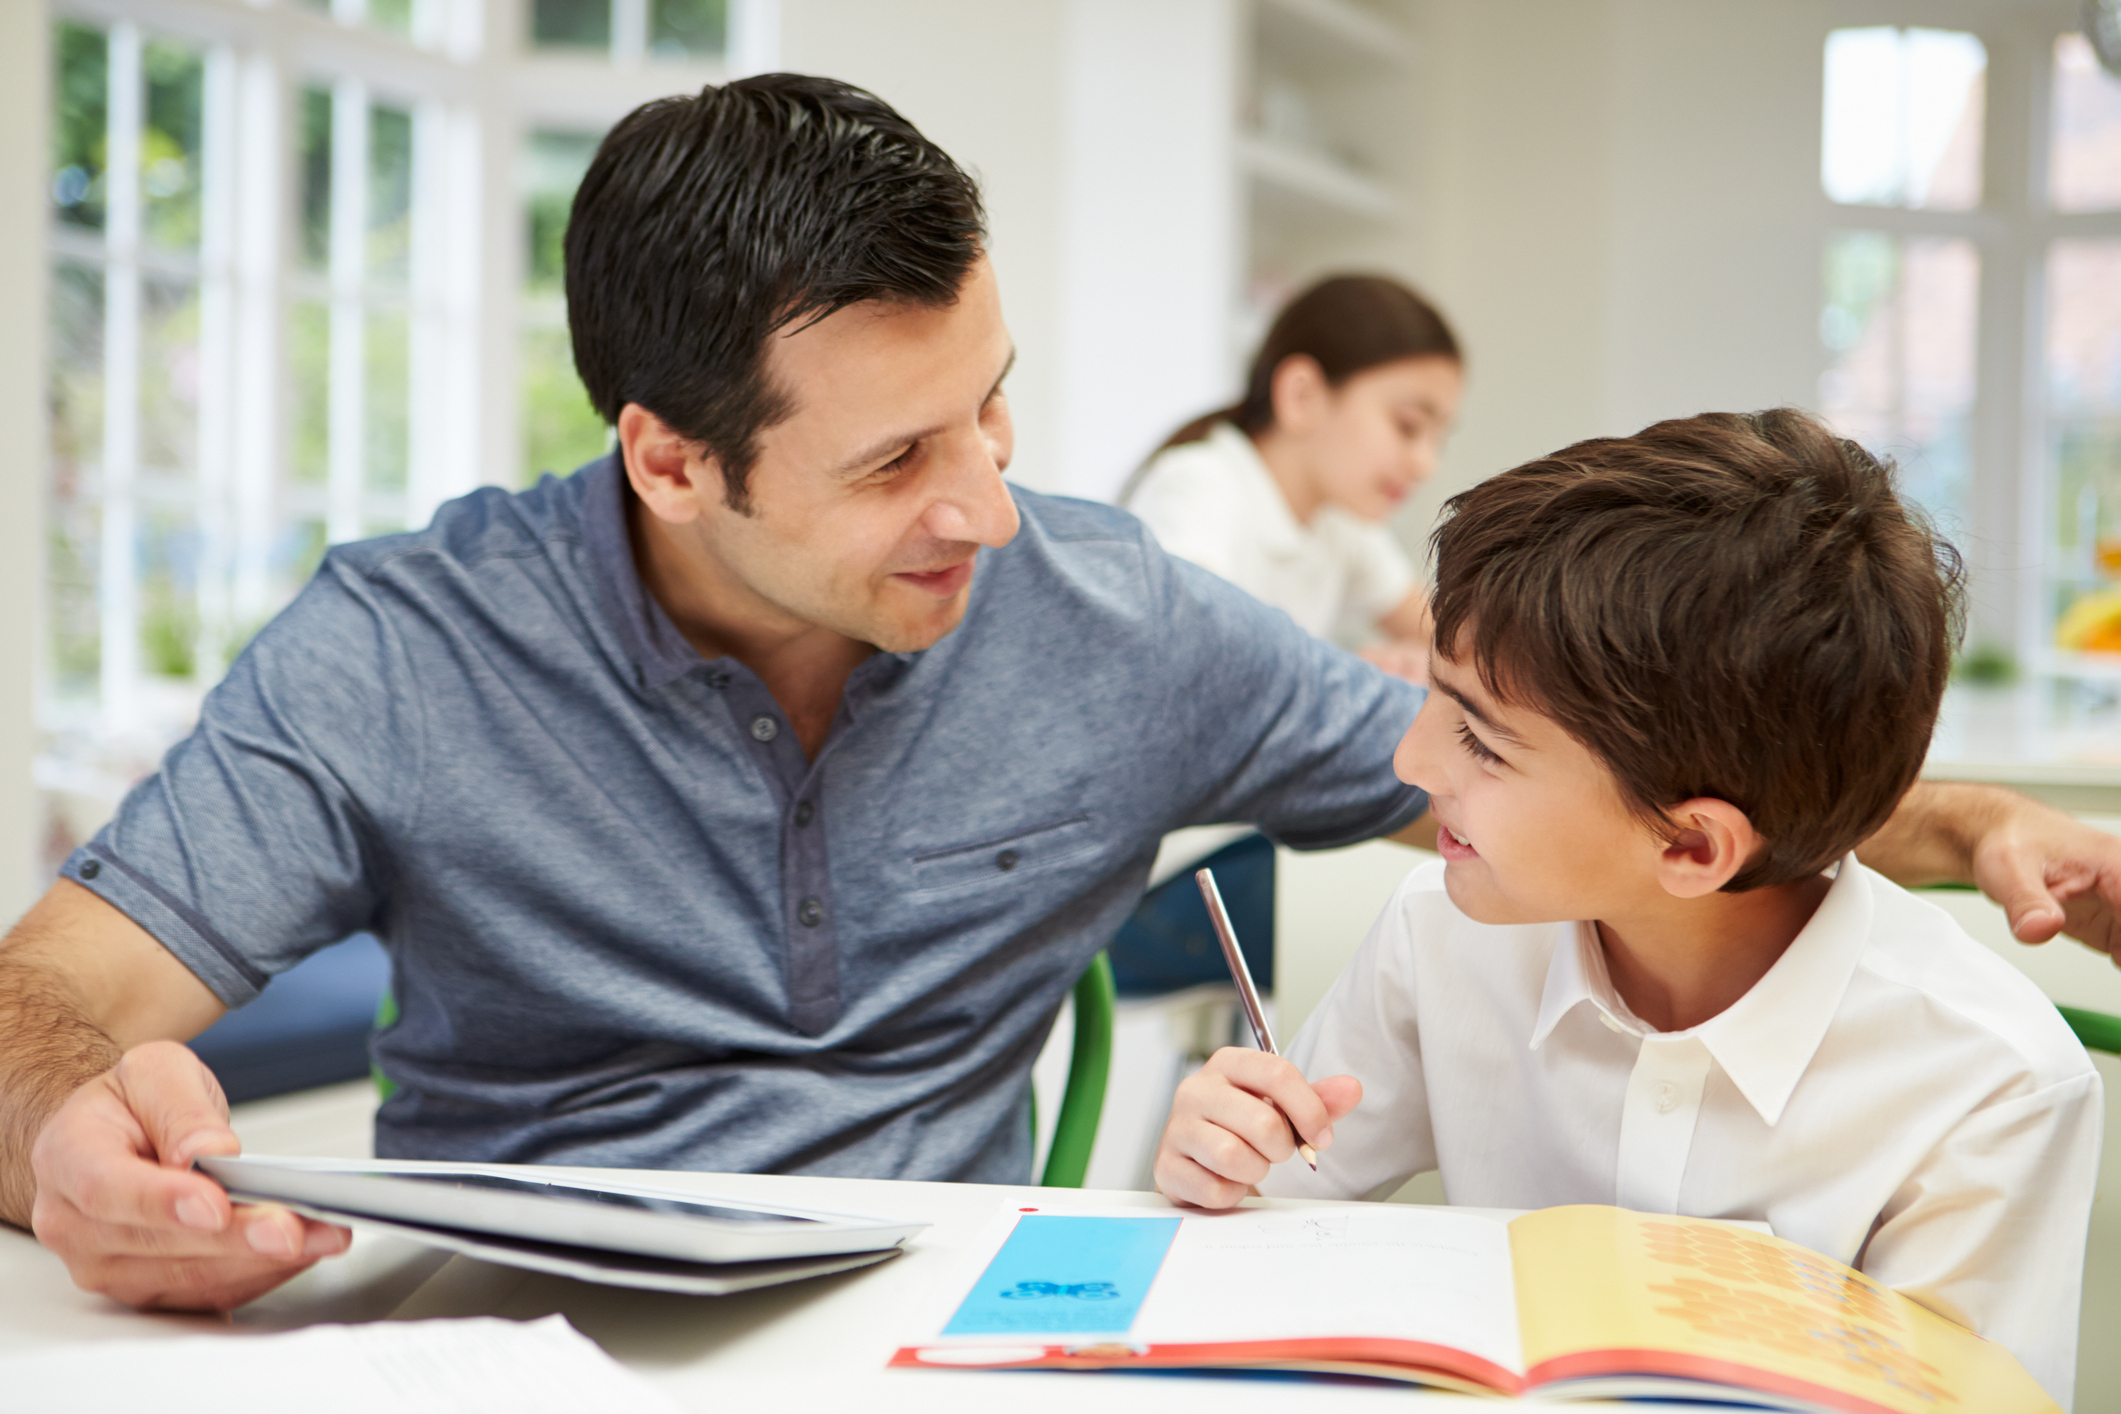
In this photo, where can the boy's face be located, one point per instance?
(1534, 829)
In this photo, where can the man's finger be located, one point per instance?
(178, 1101)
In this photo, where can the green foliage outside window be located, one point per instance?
(80, 120)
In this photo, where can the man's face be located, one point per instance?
(869, 503)
(1534, 829)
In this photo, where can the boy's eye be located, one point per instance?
(1475, 745)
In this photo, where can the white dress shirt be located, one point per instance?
(1215, 503)
(1891, 1094)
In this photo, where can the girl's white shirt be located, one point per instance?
(1215, 503)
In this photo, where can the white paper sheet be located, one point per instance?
(482, 1365)
(1404, 1273)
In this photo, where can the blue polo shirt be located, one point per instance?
(632, 926)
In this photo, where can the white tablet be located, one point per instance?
(519, 1202)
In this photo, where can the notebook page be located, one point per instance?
(1397, 1272)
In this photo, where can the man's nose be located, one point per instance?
(975, 505)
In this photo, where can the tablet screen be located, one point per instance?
(637, 1201)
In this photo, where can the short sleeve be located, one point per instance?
(1184, 500)
(263, 836)
(1990, 1229)
(1280, 729)
(1367, 1026)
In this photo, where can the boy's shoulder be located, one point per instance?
(1918, 952)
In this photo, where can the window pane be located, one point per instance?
(80, 113)
(74, 526)
(389, 192)
(570, 23)
(560, 429)
(169, 592)
(688, 29)
(309, 362)
(169, 374)
(295, 557)
(553, 164)
(1899, 326)
(170, 145)
(394, 16)
(388, 364)
(2084, 159)
(2084, 431)
(76, 372)
(1903, 118)
(313, 152)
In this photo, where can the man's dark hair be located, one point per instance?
(1730, 606)
(706, 223)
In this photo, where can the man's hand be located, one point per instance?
(2051, 874)
(118, 1200)
(1225, 1134)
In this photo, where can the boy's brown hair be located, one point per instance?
(1732, 606)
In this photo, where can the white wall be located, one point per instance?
(984, 81)
(24, 69)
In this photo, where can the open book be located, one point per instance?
(1582, 1302)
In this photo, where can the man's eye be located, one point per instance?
(1475, 745)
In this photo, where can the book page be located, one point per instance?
(1382, 1271)
(1603, 1293)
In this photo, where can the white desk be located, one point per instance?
(819, 1344)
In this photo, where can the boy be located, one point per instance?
(1678, 678)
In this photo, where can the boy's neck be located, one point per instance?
(1684, 961)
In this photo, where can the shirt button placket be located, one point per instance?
(1657, 1122)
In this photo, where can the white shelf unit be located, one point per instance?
(1325, 148)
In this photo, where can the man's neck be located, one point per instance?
(803, 665)
(1683, 961)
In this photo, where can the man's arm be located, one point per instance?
(2051, 874)
(101, 1116)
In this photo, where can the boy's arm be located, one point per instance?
(2051, 874)
(1990, 1230)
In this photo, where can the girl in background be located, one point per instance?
(1286, 494)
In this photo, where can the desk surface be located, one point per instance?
(816, 1344)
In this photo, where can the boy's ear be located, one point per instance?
(1712, 840)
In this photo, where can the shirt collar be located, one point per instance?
(1765, 1039)
(1275, 525)
(659, 653)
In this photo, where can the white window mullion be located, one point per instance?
(445, 282)
(629, 32)
(347, 396)
(118, 574)
(261, 143)
(217, 383)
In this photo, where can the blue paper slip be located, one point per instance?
(1066, 1276)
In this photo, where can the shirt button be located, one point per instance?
(90, 868)
(1006, 860)
(811, 913)
(764, 728)
(804, 813)
(1667, 1097)
(1612, 1025)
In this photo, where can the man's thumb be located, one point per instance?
(2035, 915)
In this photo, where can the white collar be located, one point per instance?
(1279, 533)
(1766, 1038)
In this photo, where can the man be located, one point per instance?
(748, 800)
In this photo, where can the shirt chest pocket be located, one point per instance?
(1004, 858)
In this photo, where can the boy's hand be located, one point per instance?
(1225, 1134)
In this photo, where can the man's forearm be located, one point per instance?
(1930, 839)
(48, 1050)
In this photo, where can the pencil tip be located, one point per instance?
(1310, 1156)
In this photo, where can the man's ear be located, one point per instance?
(1712, 840)
(673, 477)
(1299, 392)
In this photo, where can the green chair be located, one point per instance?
(2096, 1029)
(1081, 1103)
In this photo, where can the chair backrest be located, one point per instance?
(1082, 1102)
(1089, 1067)
(2096, 1029)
